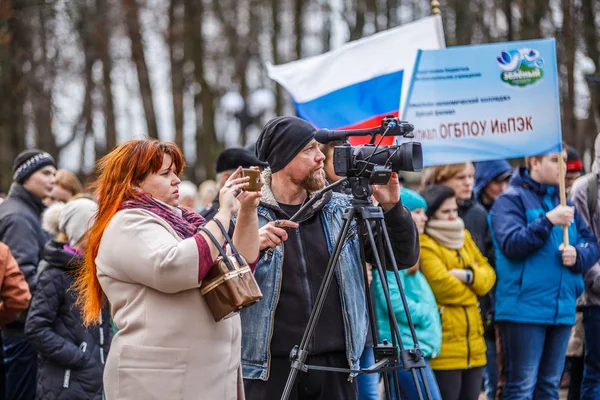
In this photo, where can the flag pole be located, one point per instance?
(563, 194)
(435, 7)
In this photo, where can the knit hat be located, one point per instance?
(76, 218)
(281, 139)
(574, 163)
(237, 157)
(412, 200)
(435, 195)
(29, 161)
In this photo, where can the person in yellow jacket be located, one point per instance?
(458, 273)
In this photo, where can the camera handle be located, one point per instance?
(386, 354)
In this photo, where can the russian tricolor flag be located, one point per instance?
(359, 83)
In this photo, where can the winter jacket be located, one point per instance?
(463, 345)
(14, 291)
(21, 230)
(168, 345)
(579, 197)
(485, 172)
(421, 306)
(258, 320)
(70, 357)
(533, 284)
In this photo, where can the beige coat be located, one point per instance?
(168, 346)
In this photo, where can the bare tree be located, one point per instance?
(590, 39)
(569, 46)
(275, 33)
(14, 44)
(176, 55)
(207, 145)
(42, 81)
(132, 19)
(103, 40)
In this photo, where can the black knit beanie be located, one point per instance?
(435, 195)
(29, 161)
(281, 139)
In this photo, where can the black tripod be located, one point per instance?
(371, 225)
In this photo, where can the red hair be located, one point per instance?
(120, 171)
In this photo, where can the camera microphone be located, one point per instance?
(325, 136)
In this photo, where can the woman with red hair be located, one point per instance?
(148, 257)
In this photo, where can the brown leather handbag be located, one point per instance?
(229, 285)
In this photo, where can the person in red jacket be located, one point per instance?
(14, 295)
(14, 291)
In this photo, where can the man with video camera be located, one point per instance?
(292, 265)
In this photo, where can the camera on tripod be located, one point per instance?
(371, 161)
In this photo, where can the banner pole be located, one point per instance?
(563, 194)
(435, 7)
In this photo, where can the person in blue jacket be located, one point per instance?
(421, 305)
(491, 180)
(539, 278)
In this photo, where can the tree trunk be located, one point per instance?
(175, 39)
(41, 94)
(590, 40)
(103, 41)
(299, 26)
(391, 12)
(463, 22)
(275, 52)
(137, 54)
(569, 46)
(207, 145)
(356, 31)
(507, 7)
(13, 55)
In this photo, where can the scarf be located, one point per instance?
(186, 223)
(450, 234)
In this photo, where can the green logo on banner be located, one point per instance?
(520, 67)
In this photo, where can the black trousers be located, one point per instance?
(460, 384)
(313, 385)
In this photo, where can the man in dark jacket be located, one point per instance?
(582, 196)
(291, 274)
(227, 162)
(539, 277)
(21, 231)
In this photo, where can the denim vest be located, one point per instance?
(258, 320)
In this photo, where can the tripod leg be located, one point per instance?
(386, 238)
(300, 356)
(364, 227)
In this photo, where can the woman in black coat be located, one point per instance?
(71, 356)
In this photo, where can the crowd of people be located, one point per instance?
(100, 287)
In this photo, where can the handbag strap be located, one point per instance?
(237, 256)
(218, 246)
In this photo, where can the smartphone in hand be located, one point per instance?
(254, 184)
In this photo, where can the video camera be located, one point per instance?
(371, 160)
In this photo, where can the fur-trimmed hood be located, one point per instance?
(268, 198)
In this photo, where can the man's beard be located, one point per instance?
(313, 182)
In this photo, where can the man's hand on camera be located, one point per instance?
(272, 234)
(388, 195)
